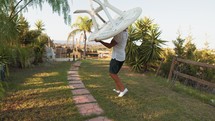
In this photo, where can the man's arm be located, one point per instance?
(109, 45)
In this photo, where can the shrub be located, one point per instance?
(24, 56)
(1, 91)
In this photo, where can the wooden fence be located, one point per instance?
(177, 73)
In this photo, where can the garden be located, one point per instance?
(34, 88)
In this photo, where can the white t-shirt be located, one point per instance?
(119, 49)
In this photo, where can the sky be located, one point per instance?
(193, 17)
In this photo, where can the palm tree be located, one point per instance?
(82, 25)
(148, 33)
(40, 25)
(151, 49)
(72, 36)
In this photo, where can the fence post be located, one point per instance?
(172, 68)
(158, 70)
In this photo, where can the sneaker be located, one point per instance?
(117, 91)
(123, 93)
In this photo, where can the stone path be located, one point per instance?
(85, 102)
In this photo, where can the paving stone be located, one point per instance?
(77, 64)
(72, 72)
(80, 92)
(77, 86)
(73, 78)
(73, 68)
(100, 118)
(75, 82)
(84, 99)
(89, 109)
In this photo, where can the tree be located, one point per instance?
(152, 47)
(39, 47)
(10, 10)
(148, 33)
(190, 48)
(179, 46)
(23, 29)
(72, 36)
(40, 25)
(82, 25)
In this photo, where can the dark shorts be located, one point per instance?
(115, 66)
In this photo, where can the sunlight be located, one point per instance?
(156, 114)
(93, 86)
(39, 82)
(95, 75)
(33, 81)
(45, 74)
(53, 83)
(38, 103)
(127, 103)
(132, 74)
(25, 99)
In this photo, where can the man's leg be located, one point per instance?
(119, 85)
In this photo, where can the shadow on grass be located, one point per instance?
(40, 93)
(55, 112)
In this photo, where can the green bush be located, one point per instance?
(24, 57)
(1, 91)
(165, 67)
(4, 59)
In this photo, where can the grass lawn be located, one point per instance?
(42, 93)
(149, 97)
(38, 94)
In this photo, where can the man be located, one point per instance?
(118, 57)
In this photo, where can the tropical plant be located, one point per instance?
(82, 25)
(2, 90)
(72, 36)
(147, 34)
(13, 28)
(132, 50)
(40, 25)
(8, 29)
(31, 37)
(4, 61)
(151, 48)
(23, 29)
(24, 55)
(39, 47)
